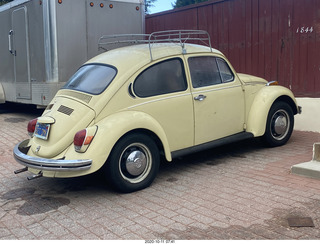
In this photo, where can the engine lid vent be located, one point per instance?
(83, 97)
(65, 110)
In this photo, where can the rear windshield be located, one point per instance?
(93, 79)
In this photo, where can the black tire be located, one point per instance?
(279, 125)
(133, 163)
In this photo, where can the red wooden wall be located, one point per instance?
(274, 39)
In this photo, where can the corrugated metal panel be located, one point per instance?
(274, 39)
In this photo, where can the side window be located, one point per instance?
(162, 78)
(226, 73)
(207, 71)
(204, 71)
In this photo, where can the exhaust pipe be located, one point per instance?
(35, 176)
(18, 171)
(32, 177)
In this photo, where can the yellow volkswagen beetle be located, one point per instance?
(126, 107)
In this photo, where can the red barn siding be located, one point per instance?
(274, 39)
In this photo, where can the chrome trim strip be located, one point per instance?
(159, 99)
(49, 164)
(248, 83)
(182, 95)
(216, 89)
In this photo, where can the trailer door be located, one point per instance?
(21, 53)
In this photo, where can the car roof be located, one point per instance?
(139, 55)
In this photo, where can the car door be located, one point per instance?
(162, 92)
(218, 98)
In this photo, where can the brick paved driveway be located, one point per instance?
(240, 191)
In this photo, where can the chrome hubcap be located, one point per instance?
(280, 124)
(135, 162)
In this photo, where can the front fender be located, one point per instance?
(257, 117)
(110, 130)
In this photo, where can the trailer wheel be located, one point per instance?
(133, 163)
(279, 125)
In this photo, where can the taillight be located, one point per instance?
(32, 126)
(79, 139)
(83, 138)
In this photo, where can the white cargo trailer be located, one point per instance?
(43, 42)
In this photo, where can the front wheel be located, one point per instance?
(279, 125)
(133, 163)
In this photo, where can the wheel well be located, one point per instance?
(149, 133)
(289, 101)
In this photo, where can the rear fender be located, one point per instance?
(110, 130)
(257, 117)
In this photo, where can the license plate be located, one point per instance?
(42, 131)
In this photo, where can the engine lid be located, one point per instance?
(57, 126)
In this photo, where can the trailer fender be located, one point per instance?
(266, 97)
(110, 130)
(2, 95)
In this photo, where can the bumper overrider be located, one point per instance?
(20, 154)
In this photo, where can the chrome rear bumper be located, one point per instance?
(20, 155)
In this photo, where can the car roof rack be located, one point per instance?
(180, 37)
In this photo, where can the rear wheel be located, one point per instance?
(279, 125)
(133, 163)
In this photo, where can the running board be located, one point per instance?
(215, 143)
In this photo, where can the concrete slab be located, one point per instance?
(309, 169)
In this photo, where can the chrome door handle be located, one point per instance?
(200, 97)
